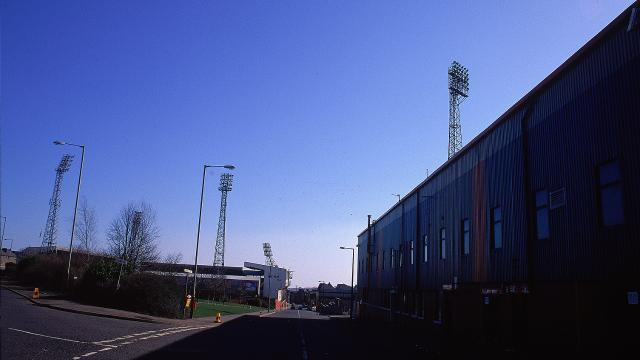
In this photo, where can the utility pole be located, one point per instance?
(4, 225)
(353, 252)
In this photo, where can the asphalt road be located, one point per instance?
(297, 334)
(28, 331)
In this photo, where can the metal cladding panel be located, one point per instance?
(503, 172)
(387, 233)
(362, 260)
(587, 117)
(409, 223)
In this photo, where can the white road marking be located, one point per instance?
(303, 346)
(50, 337)
(135, 338)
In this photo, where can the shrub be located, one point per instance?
(150, 294)
(98, 283)
(44, 271)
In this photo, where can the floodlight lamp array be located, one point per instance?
(458, 79)
(226, 182)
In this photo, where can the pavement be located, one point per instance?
(29, 331)
(57, 301)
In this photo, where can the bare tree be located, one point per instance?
(172, 260)
(86, 228)
(133, 235)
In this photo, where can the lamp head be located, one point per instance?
(230, 167)
(58, 142)
(342, 247)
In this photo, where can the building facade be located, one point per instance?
(531, 232)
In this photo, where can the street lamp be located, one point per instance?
(398, 195)
(187, 272)
(319, 294)
(195, 271)
(11, 246)
(75, 209)
(4, 225)
(353, 254)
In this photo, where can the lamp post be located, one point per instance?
(122, 263)
(187, 272)
(10, 246)
(195, 271)
(353, 255)
(320, 282)
(4, 225)
(75, 209)
(398, 195)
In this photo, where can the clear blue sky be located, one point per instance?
(325, 107)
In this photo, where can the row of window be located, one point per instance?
(609, 199)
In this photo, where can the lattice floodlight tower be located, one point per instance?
(458, 92)
(268, 254)
(50, 230)
(269, 262)
(226, 181)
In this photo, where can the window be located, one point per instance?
(496, 228)
(610, 185)
(412, 251)
(443, 243)
(401, 251)
(465, 237)
(384, 257)
(393, 258)
(425, 243)
(542, 215)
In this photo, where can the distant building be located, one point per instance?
(251, 281)
(239, 282)
(7, 257)
(274, 278)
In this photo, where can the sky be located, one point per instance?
(327, 108)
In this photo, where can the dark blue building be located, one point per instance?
(530, 233)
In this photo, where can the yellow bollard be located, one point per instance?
(218, 319)
(36, 293)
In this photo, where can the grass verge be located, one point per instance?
(207, 308)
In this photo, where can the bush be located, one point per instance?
(96, 284)
(150, 294)
(44, 271)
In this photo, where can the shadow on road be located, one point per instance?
(291, 338)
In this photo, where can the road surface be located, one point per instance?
(28, 331)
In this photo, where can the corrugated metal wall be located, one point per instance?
(587, 115)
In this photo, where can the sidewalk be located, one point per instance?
(58, 302)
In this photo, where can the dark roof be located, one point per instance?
(572, 60)
(202, 269)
